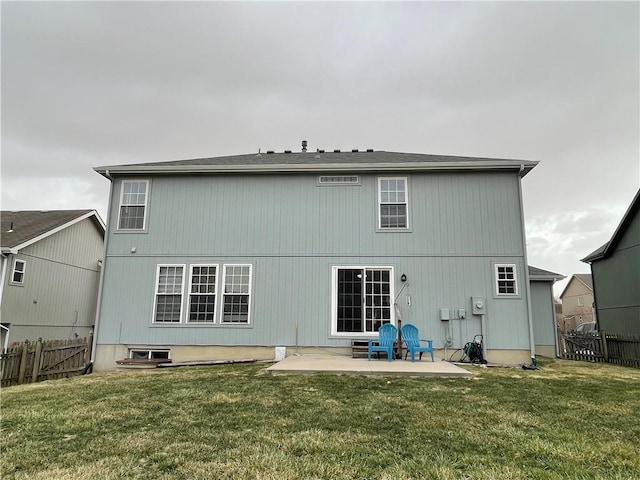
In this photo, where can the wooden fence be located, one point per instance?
(31, 362)
(602, 347)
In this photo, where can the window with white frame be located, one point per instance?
(202, 294)
(169, 286)
(506, 279)
(362, 299)
(236, 294)
(393, 206)
(140, 354)
(17, 275)
(133, 205)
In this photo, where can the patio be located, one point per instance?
(317, 363)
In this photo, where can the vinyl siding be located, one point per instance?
(617, 281)
(58, 298)
(543, 311)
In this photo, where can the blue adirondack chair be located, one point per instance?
(412, 341)
(387, 335)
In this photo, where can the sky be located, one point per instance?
(85, 84)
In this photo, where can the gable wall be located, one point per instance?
(577, 302)
(58, 298)
(617, 281)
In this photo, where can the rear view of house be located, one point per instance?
(229, 257)
(50, 273)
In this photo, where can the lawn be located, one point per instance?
(565, 420)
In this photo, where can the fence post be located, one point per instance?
(36, 361)
(23, 362)
(605, 349)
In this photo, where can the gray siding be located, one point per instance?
(617, 284)
(543, 311)
(293, 231)
(58, 298)
(452, 214)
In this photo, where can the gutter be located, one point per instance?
(313, 167)
(3, 275)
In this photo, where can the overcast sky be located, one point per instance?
(87, 84)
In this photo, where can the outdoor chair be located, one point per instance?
(387, 336)
(412, 341)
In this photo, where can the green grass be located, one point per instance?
(565, 420)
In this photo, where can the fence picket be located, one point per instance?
(606, 347)
(37, 361)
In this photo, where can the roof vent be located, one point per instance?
(337, 150)
(321, 150)
(304, 146)
(354, 150)
(287, 151)
(369, 150)
(269, 152)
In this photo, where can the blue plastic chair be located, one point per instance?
(412, 341)
(387, 336)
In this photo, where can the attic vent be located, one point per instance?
(337, 150)
(287, 151)
(355, 150)
(369, 150)
(338, 180)
(269, 152)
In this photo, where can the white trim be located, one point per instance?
(150, 351)
(146, 204)
(155, 293)
(189, 293)
(250, 293)
(473, 165)
(334, 298)
(3, 275)
(405, 203)
(58, 229)
(515, 280)
(13, 271)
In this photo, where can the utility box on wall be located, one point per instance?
(479, 305)
(444, 314)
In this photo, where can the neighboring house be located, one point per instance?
(616, 276)
(230, 257)
(545, 330)
(577, 301)
(49, 273)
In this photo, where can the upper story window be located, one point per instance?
(17, 276)
(506, 280)
(133, 205)
(393, 203)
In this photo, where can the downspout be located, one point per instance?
(555, 323)
(527, 280)
(104, 266)
(3, 276)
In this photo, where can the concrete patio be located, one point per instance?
(317, 363)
